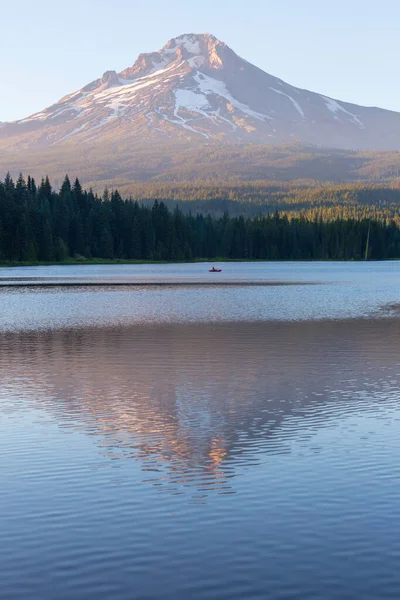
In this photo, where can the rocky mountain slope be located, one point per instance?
(196, 88)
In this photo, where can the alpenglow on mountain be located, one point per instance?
(196, 87)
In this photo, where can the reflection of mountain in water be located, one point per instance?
(197, 403)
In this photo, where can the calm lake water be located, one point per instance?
(171, 439)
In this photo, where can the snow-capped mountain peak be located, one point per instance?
(196, 86)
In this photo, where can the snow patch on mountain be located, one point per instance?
(196, 62)
(192, 46)
(191, 43)
(292, 100)
(181, 122)
(190, 100)
(335, 107)
(209, 85)
(41, 116)
(74, 131)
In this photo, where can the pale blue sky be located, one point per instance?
(347, 49)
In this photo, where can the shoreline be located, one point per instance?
(24, 283)
(118, 261)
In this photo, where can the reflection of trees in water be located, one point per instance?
(196, 403)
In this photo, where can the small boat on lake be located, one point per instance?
(214, 270)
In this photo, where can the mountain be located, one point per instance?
(197, 89)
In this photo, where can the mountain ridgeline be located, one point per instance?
(39, 224)
(197, 88)
(196, 111)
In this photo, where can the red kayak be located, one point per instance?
(215, 270)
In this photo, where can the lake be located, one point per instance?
(166, 432)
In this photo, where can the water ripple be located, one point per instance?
(225, 460)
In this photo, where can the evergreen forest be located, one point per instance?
(38, 223)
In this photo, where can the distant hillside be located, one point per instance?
(122, 165)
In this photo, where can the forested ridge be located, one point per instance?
(328, 201)
(125, 165)
(40, 224)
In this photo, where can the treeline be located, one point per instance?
(326, 202)
(39, 224)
